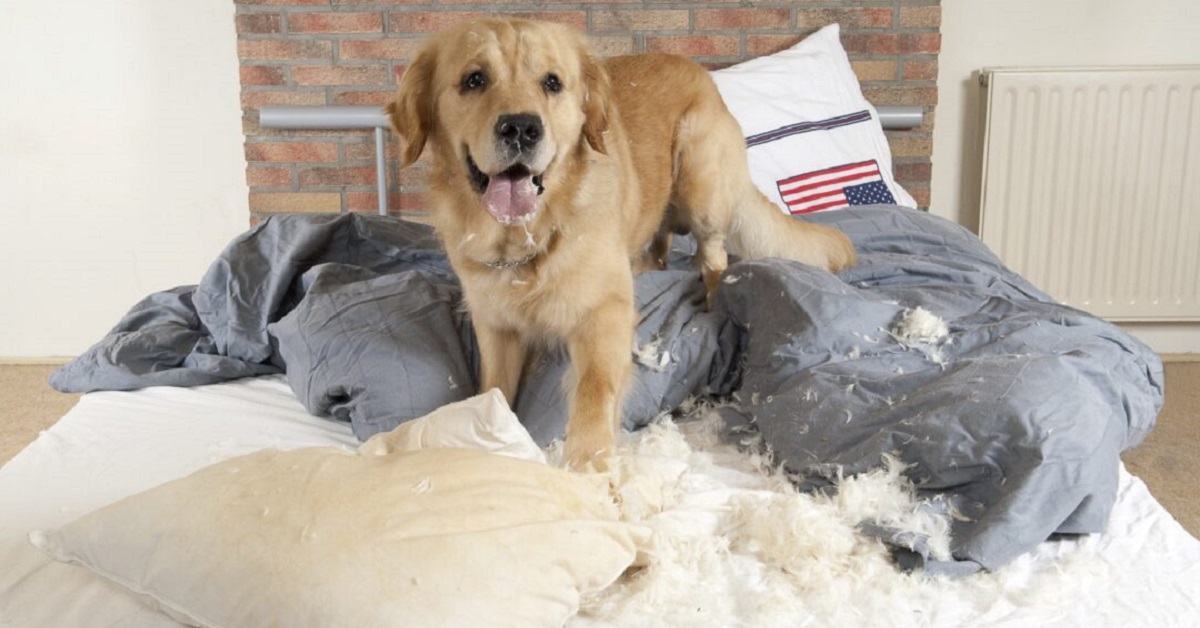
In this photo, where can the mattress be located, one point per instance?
(1144, 570)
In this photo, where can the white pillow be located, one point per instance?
(814, 142)
(484, 422)
(328, 537)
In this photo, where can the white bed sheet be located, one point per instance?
(115, 444)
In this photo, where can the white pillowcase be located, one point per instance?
(814, 142)
(379, 537)
(482, 422)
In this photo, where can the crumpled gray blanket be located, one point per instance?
(1014, 413)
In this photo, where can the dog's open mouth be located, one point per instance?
(509, 196)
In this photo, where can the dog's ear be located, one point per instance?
(596, 98)
(411, 111)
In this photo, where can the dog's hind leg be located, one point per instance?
(711, 257)
(656, 255)
(704, 199)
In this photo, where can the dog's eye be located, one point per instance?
(476, 80)
(552, 84)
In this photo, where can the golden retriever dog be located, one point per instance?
(555, 177)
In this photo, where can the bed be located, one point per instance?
(925, 439)
(1142, 570)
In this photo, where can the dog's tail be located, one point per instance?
(759, 229)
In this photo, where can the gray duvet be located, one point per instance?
(1015, 416)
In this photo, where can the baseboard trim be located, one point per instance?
(1173, 339)
(43, 361)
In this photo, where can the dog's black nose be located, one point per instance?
(521, 131)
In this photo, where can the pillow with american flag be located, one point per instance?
(814, 143)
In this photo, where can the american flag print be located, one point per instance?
(858, 183)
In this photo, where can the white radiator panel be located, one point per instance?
(1091, 186)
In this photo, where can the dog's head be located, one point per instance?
(502, 102)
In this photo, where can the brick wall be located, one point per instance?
(349, 52)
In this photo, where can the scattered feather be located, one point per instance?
(919, 326)
(734, 544)
(650, 356)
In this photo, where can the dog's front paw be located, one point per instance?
(588, 453)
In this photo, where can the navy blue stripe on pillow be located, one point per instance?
(805, 127)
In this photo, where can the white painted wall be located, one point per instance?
(983, 33)
(121, 165)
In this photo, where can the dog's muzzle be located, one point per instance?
(510, 196)
(518, 133)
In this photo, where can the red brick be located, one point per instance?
(364, 175)
(639, 20)
(578, 19)
(920, 194)
(292, 151)
(892, 43)
(335, 22)
(357, 2)
(282, 2)
(761, 45)
(398, 202)
(258, 23)
(378, 97)
(360, 151)
(868, 70)
(261, 75)
(272, 49)
(611, 46)
(340, 75)
(414, 176)
(849, 18)
(920, 17)
(268, 177)
(923, 43)
(920, 70)
(272, 202)
(428, 22)
(901, 95)
(910, 145)
(258, 99)
(874, 44)
(912, 172)
(695, 45)
(927, 121)
(384, 49)
(743, 19)
(250, 126)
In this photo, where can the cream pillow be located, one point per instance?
(482, 422)
(328, 537)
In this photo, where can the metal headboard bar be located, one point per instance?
(370, 117)
(336, 117)
(900, 117)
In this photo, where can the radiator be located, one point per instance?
(1091, 186)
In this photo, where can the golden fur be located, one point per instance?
(622, 152)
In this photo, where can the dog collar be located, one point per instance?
(505, 264)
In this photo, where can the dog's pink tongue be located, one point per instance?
(509, 199)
